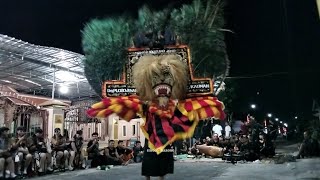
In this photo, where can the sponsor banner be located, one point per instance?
(114, 90)
(124, 87)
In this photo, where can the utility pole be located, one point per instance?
(53, 83)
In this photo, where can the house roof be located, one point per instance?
(26, 99)
(30, 68)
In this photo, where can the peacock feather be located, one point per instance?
(199, 25)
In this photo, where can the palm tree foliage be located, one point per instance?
(104, 44)
(229, 96)
(199, 25)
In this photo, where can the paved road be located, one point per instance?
(183, 170)
(208, 169)
(301, 170)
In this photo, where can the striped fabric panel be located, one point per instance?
(165, 113)
(201, 108)
(161, 132)
(124, 107)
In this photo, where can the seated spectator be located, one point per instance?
(38, 149)
(6, 155)
(113, 157)
(120, 148)
(215, 141)
(315, 148)
(77, 145)
(94, 153)
(266, 148)
(308, 147)
(221, 139)
(227, 145)
(22, 154)
(194, 150)
(127, 156)
(125, 153)
(71, 150)
(248, 149)
(207, 140)
(138, 152)
(58, 145)
(236, 148)
(234, 139)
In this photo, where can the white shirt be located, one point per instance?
(227, 129)
(217, 129)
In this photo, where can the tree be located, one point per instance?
(199, 25)
(104, 43)
(228, 96)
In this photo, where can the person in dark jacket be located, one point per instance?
(38, 149)
(137, 152)
(94, 152)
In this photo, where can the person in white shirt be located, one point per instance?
(217, 129)
(227, 130)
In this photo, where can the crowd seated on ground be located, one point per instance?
(242, 146)
(247, 147)
(26, 156)
(111, 155)
(224, 147)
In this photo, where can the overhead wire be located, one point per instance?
(257, 76)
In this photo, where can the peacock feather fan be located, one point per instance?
(104, 44)
(198, 25)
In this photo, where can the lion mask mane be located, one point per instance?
(164, 75)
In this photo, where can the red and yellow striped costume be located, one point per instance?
(162, 127)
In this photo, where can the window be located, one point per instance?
(124, 131)
(25, 121)
(133, 130)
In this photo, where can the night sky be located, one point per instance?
(275, 37)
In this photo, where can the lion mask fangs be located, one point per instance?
(156, 77)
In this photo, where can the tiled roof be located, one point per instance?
(31, 68)
(25, 99)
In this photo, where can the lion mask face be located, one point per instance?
(157, 77)
(162, 83)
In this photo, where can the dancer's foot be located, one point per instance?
(83, 165)
(40, 170)
(70, 168)
(50, 169)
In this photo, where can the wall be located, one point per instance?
(2, 117)
(90, 128)
(52, 124)
(129, 130)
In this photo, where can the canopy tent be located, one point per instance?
(34, 69)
